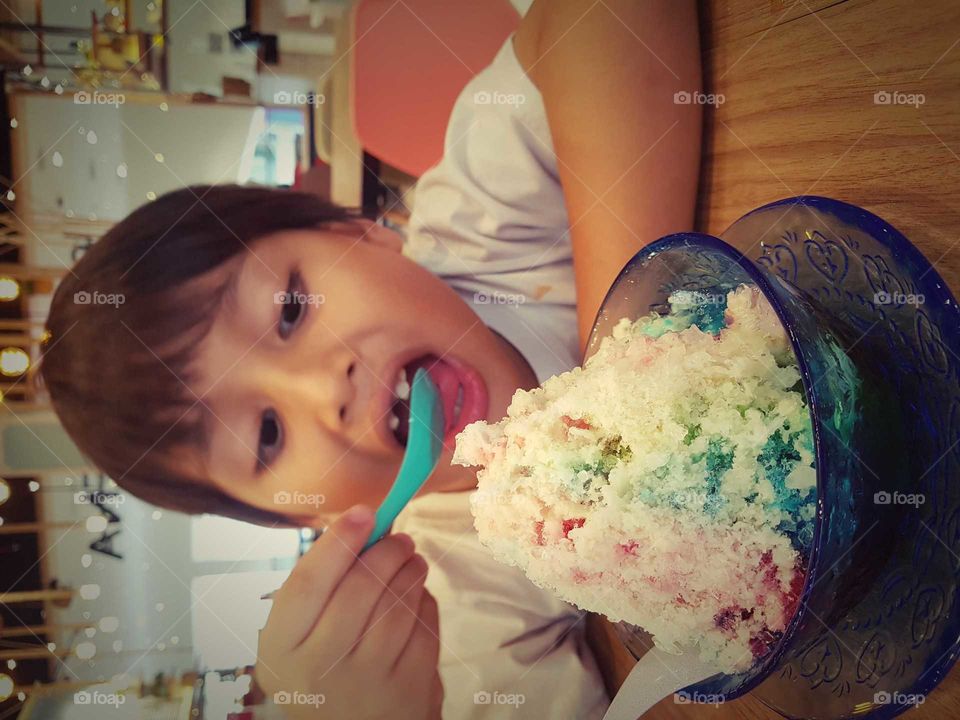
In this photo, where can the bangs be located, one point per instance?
(125, 325)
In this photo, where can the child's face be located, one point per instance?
(309, 387)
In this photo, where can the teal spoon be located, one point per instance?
(424, 445)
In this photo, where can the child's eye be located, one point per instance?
(269, 443)
(293, 307)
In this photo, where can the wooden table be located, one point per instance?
(799, 117)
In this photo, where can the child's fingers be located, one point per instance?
(358, 593)
(436, 696)
(422, 650)
(298, 604)
(392, 620)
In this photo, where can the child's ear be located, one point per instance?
(382, 236)
(371, 232)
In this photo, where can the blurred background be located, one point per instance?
(108, 606)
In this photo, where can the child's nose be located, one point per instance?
(328, 388)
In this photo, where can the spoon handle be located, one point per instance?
(424, 444)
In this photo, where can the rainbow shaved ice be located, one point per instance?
(668, 483)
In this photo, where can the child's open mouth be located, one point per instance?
(463, 396)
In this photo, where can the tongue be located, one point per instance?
(447, 382)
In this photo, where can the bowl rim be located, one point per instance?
(899, 246)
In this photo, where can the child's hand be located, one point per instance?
(353, 637)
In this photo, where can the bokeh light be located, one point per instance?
(13, 361)
(9, 288)
(6, 686)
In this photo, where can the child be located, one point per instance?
(258, 364)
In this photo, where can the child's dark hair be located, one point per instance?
(118, 368)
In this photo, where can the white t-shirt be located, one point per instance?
(490, 220)
(504, 641)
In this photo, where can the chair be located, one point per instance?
(411, 58)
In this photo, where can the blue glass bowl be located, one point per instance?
(876, 333)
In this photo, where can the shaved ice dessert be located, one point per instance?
(668, 483)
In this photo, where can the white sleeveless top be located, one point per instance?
(490, 220)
